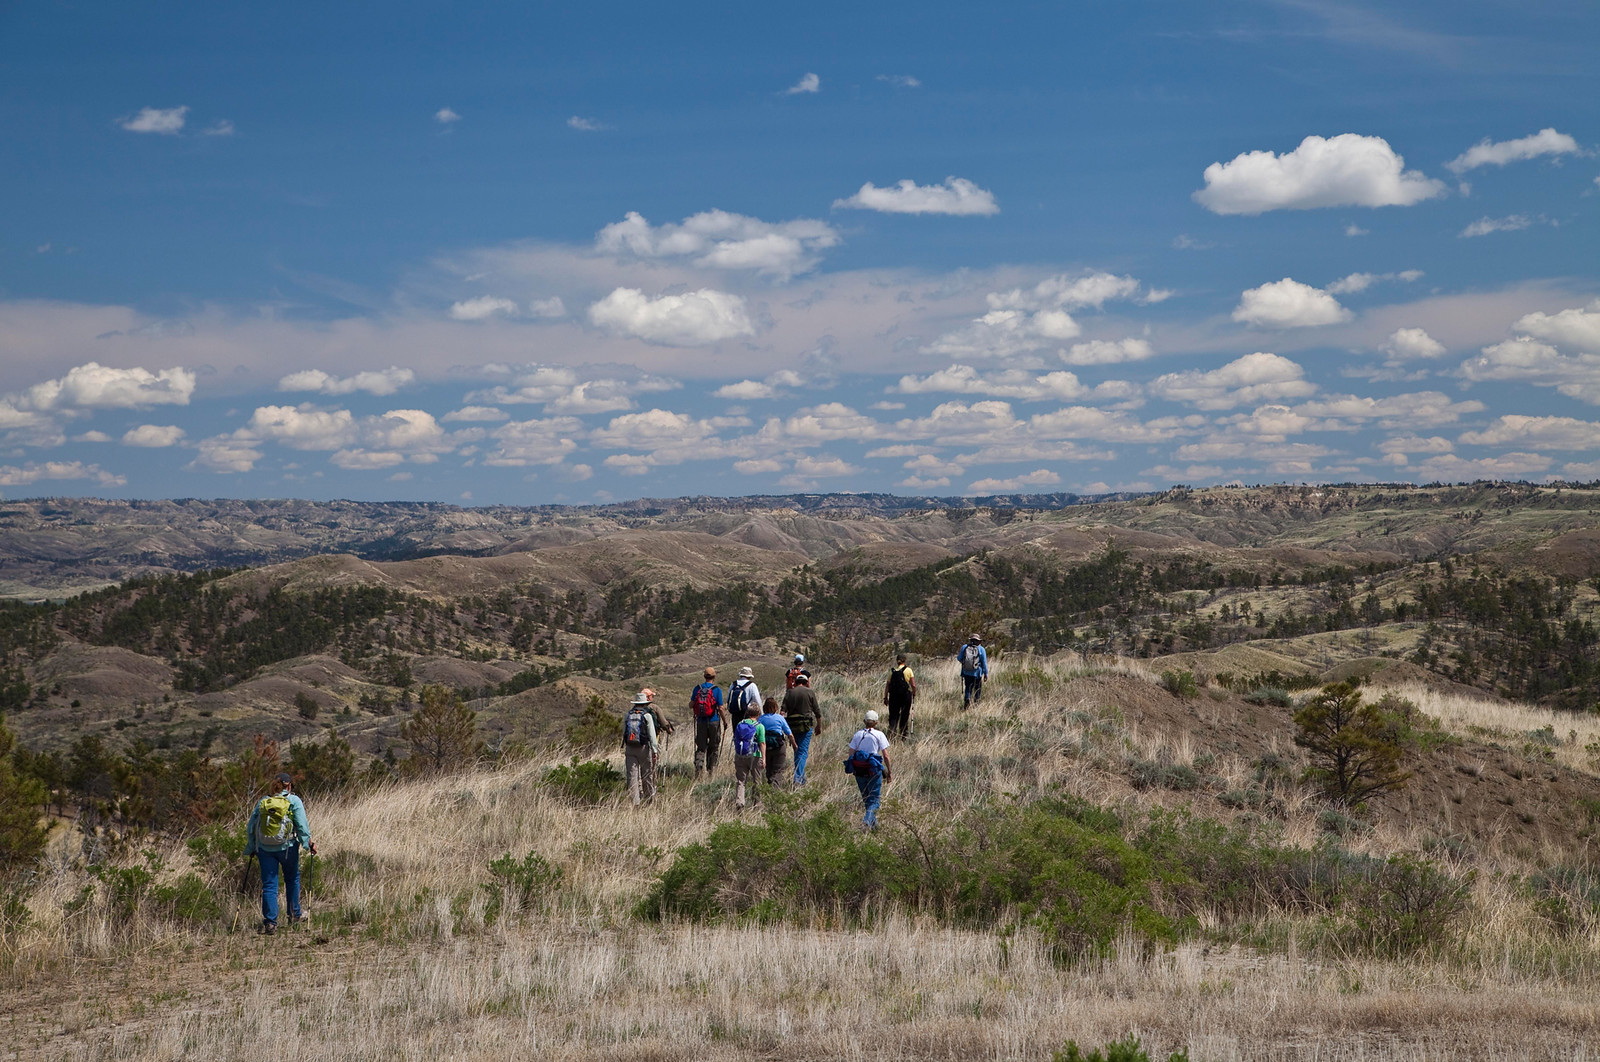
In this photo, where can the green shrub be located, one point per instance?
(533, 877)
(1128, 1050)
(1410, 905)
(1277, 698)
(584, 782)
(1181, 683)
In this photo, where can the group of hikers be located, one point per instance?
(764, 732)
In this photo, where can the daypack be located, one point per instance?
(274, 822)
(703, 701)
(792, 674)
(736, 697)
(633, 729)
(866, 764)
(899, 688)
(970, 657)
(744, 738)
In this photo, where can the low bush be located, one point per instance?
(1270, 695)
(532, 879)
(1181, 683)
(584, 781)
(1127, 1050)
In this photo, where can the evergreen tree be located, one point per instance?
(1356, 748)
(443, 732)
(21, 802)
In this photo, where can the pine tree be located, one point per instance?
(1356, 748)
(443, 732)
(21, 802)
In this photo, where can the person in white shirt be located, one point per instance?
(869, 763)
(743, 694)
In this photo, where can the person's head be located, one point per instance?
(899, 658)
(799, 658)
(870, 719)
(711, 674)
(746, 673)
(284, 781)
(751, 711)
(802, 679)
(648, 694)
(974, 640)
(771, 707)
(640, 700)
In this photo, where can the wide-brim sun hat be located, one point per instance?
(640, 698)
(745, 672)
(974, 638)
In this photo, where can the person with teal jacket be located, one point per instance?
(278, 830)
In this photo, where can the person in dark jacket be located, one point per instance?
(804, 714)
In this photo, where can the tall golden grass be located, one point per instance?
(580, 978)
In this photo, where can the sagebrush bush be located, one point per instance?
(584, 781)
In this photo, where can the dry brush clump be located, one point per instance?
(498, 911)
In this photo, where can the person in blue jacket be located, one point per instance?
(278, 830)
(974, 669)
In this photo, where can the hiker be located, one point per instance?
(278, 829)
(804, 716)
(705, 706)
(663, 724)
(898, 693)
(795, 671)
(780, 739)
(869, 763)
(749, 742)
(744, 693)
(639, 749)
(974, 669)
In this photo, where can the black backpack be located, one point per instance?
(899, 688)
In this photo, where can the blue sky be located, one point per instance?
(498, 253)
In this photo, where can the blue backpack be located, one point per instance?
(744, 738)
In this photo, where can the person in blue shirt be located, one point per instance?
(780, 739)
(974, 669)
(710, 723)
(276, 837)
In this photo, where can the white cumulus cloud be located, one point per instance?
(1410, 343)
(153, 435)
(693, 319)
(32, 472)
(807, 83)
(1488, 152)
(1108, 352)
(1345, 170)
(96, 386)
(956, 195)
(482, 308)
(167, 121)
(1288, 303)
(1576, 327)
(383, 382)
(1013, 383)
(1551, 433)
(721, 240)
(1042, 477)
(231, 454)
(1254, 378)
(446, 116)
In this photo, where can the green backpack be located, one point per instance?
(274, 822)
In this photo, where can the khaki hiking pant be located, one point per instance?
(747, 769)
(641, 768)
(707, 744)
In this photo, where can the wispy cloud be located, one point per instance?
(807, 83)
(585, 125)
(1499, 153)
(446, 116)
(956, 195)
(900, 80)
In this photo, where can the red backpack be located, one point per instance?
(703, 701)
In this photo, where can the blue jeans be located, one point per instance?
(871, 795)
(288, 861)
(971, 689)
(802, 740)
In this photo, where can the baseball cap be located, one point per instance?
(872, 716)
(799, 658)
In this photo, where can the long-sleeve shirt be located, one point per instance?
(980, 667)
(302, 826)
(649, 730)
(802, 710)
(739, 698)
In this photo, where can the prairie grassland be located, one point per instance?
(408, 956)
(1480, 718)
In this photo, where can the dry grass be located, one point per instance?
(1480, 718)
(580, 978)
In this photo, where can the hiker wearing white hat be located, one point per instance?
(639, 749)
(974, 669)
(797, 669)
(743, 694)
(869, 764)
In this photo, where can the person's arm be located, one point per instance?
(911, 680)
(886, 683)
(983, 662)
(887, 769)
(650, 732)
(788, 732)
(761, 743)
(302, 825)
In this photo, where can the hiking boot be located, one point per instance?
(299, 919)
(268, 928)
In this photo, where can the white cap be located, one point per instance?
(799, 658)
(872, 716)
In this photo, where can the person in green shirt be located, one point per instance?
(749, 743)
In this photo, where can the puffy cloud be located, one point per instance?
(1488, 152)
(927, 466)
(565, 390)
(815, 425)
(1552, 433)
(720, 240)
(1531, 361)
(476, 414)
(756, 390)
(32, 472)
(808, 83)
(1006, 333)
(1094, 289)
(413, 432)
(1013, 383)
(96, 386)
(823, 465)
(1406, 344)
(482, 308)
(1485, 226)
(533, 442)
(1254, 378)
(153, 435)
(164, 120)
(1042, 477)
(956, 195)
(301, 428)
(446, 116)
(1108, 352)
(1448, 468)
(1578, 328)
(1416, 444)
(1357, 282)
(384, 382)
(1418, 409)
(758, 466)
(370, 443)
(92, 437)
(366, 460)
(1288, 303)
(227, 454)
(696, 318)
(1345, 170)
